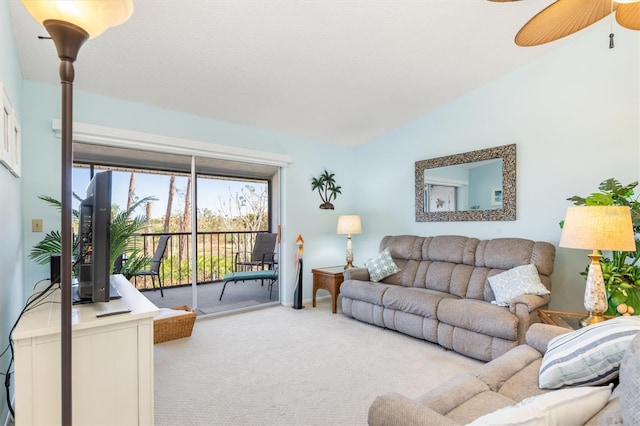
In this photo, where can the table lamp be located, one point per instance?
(349, 224)
(597, 228)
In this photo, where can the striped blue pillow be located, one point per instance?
(588, 356)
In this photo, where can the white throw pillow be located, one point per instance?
(565, 407)
(516, 282)
(381, 266)
(588, 356)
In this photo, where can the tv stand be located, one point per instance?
(112, 361)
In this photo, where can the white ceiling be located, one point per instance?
(339, 71)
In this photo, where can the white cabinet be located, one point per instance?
(112, 362)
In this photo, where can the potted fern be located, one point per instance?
(621, 272)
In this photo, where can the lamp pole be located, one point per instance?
(70, 24)
(68, 38)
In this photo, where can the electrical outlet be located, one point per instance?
(36, 225)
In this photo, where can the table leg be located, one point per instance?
(314, 296)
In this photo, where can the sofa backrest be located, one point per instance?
(461, 265)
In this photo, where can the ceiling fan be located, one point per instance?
(565, 17)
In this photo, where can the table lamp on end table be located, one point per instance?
(597, 228)
(349, 224)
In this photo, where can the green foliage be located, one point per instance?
(123, 228)
(621, 272)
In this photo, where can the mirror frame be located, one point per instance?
(508, 211)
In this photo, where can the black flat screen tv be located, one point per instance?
(94, 240)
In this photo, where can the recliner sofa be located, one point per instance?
(442, 293)
(507, 382)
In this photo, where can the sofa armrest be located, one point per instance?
(531, 301)
(360, 274)
(539, 335)
(526, 309)
(398, 410)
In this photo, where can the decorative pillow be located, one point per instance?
(516, 282)
(381, 266)
(566, 407)
(587, 356)
(629, 387)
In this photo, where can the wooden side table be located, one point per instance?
(328, 279)
(564, 319)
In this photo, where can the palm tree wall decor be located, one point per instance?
(326, 186)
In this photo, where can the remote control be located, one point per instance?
(113, 312)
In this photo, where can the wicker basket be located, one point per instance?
(174, 327)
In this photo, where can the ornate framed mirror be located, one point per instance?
(472, 186)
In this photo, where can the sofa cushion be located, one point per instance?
(515, 282)
(450, 248)
(365, 291)
(588, 356)
(630, 383)
(454, 392)
(507, 253)
(396, 409)
(480, 404)
(417, 301)
(480, 317)
(567, 407)
(407, 247)
(381, 266)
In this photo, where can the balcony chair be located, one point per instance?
(154, 267)
(263, 274)
(263, 254)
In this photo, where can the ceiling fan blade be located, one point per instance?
(562, 18)
(628, 15)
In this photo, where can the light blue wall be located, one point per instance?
(574, 116)
(11, 241)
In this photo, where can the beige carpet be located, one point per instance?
(281, 366)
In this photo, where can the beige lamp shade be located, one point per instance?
(598, 228)
(94, 16)
(349, 224)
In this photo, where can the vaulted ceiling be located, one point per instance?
(339, 71)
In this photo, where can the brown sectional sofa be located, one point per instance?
(442, 294)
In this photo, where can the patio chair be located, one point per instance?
(263, 274)
(154, 267)
(263, 254)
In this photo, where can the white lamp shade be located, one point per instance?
(349, 224)
(598, 228)
(93, 16)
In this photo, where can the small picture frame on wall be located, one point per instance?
(5, 125)
(496, 196)
(15, 144)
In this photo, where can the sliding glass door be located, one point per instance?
(197, 217)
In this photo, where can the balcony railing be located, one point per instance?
(216, 252)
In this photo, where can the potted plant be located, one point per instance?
(621, 272)
(327, 188)
(123, 229)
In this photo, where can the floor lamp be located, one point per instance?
(70, 24)
(597, 228)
